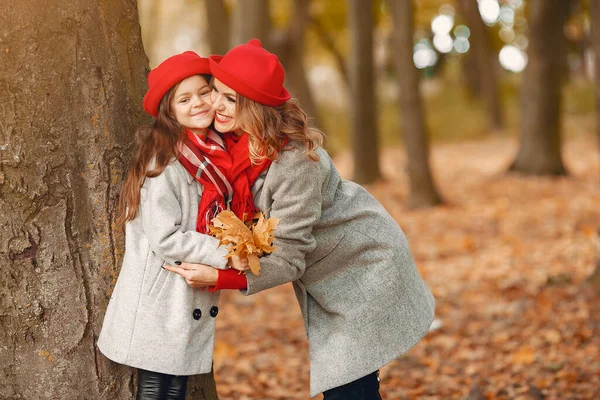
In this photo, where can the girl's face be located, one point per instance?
(191, 105)
(223, 103)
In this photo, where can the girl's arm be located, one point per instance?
(161, 217)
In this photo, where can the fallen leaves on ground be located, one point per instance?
(507, 259)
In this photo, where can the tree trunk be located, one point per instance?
(217, 26)
(594, 279)
(540, 148)
(422, 189)
(72, 78)
(294, 60)
(595, 14)
(362, 103)
(486, 67)
(251, 19)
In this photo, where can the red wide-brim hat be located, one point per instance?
(170, 72)
(253, 72)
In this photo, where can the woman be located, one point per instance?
(179, 178)
(362, 299)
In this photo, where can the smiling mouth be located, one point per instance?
(222, 118)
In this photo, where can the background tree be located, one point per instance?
(250, 19)
(595, 14)
(217, 26)
(422, 189)
(540, 144)
(363, 119)
(483, 65)
(72, 77)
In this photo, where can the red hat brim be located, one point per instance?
(172, 75)
(243, 88)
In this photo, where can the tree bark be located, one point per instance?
(362, 103)
(72, 78)
(540, 145)
(218, 26)
(486, 68)
(422, 189)
(251, 19)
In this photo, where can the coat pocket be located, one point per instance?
(154, 275)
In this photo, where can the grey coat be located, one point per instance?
(362, 299)
(154, 320)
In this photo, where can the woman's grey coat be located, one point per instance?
(362, 299)
(154, 320)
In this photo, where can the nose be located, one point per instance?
(217, 101)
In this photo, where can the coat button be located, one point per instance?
(214, 311)
(197, 314)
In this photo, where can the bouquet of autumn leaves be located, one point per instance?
(251, 239)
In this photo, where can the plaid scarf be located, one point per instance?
(221, 164)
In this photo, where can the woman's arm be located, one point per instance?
(161, 218)
(294, 186)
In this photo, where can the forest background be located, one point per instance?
(475, 122)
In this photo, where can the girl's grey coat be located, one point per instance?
(361, 296)
(154, 320)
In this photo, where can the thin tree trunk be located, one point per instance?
(217, 26)
(72, 77)
(540, 148)
(594, 279)
(486, 66)
(422, 189)
(362, 103)
(294, 62)
(595, 14)
(251, 19)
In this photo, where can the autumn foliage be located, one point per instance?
(251, 239)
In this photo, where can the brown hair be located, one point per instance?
(156, 142)
(269, 127)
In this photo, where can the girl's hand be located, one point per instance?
(196, 275)
(239, 263)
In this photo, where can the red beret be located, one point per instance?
(253, 72)
(171, 71)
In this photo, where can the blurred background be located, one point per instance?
(474, 123)
(470, 56)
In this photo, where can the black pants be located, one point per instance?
(365, 388)
(157, 386)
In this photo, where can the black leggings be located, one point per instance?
(157, 386)
(365, 388)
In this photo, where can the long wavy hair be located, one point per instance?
(268, 128)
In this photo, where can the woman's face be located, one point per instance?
(223, 103)
(191, 105)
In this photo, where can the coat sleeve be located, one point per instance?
(294, 186)
(161, 216)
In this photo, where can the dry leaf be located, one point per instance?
(250, 239)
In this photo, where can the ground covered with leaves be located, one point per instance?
(507, 259)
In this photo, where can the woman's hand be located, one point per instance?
(239, 263)
(196, 275)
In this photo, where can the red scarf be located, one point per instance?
(222, 166)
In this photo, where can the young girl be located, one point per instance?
(179, 178)
(362, 299)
